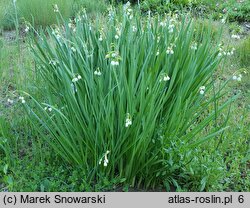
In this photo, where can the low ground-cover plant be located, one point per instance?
(126, 99)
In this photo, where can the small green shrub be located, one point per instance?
(122, 99)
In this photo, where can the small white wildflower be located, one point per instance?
(219, 54)
(50, 109)
(157, 53)
(111, 13)
(105, 161)
(171, 28)
(194, 46)
(74, 89)
(158, 39)
(56, 9)
(118, 31)
(166, 78)
(116, 37)
(234, 77)
(239, 78)
(163, 24)
(10, 101)
(114, 55)
(134, 29)
(170, 50)
(114, 63)
(71, 25)
(97, 72)
(74, 79)
(79, 77)
(100, 38)
(202, 90)
(73, 49)
(106, 158)
(129, 10)
(22, 99)
(234, 36)
(128, 121)
(223, 21)
(232, 51)
(27, 28)
(100, 161)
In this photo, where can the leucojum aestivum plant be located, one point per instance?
(122, 94)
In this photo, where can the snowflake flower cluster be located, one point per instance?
(202, 90)
(170, 49)
(171, 23)
(22, 99)
(104, 159)
(111, 13)
(72, 25)
(114, 56)
(57, 33)
(224, 52)
(76, 78)
(238, 78)
(56, 8)
(235, 36)
(164, 78)
(97, 72)
(128, 11)
(10, 101)
(128, 120)
(48, 108)
(194, 46)
(118, 32)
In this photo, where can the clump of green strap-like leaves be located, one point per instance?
(122, 95)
